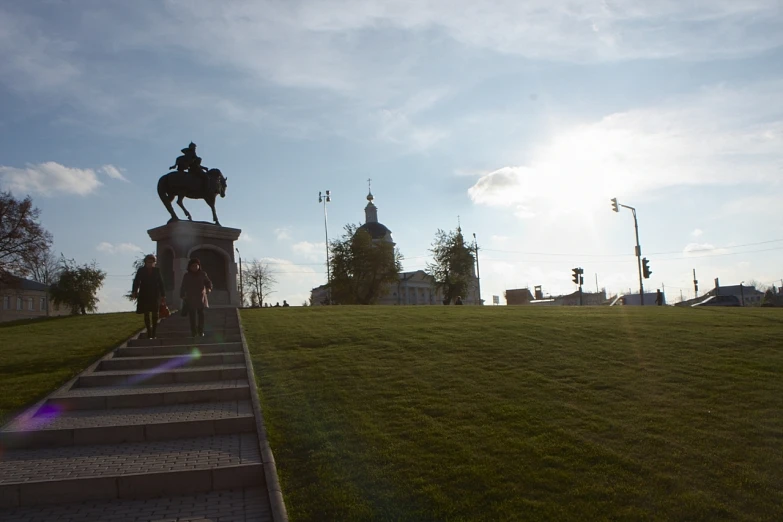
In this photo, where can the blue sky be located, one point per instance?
(521, 118)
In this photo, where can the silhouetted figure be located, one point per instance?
(659, 298)
(148, 290)
(195, 286)
(277, 304)
(285, 303)
(183, 163)
(458, 301)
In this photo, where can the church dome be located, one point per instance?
(376, 230)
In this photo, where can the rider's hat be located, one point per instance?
(190, 148)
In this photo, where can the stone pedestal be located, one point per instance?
(212, 245)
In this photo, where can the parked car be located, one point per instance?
(720, 300)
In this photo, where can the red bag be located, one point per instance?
(163, 311)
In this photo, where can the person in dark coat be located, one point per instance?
(148, 290)
(195, 286)
(459, 300)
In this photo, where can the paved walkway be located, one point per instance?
(161, 429)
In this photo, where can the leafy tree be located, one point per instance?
(22, 238)
(361, 268)
(452, 266)
(77, 286)
(258, 280)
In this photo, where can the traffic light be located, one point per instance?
(577, 272)
(646, 268)
(614, 205)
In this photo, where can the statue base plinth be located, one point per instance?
(179, 241)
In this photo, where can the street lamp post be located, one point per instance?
(241, 286)
(615, 204)
(478, 270)
(327, 198)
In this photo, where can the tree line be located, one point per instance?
(25, 251)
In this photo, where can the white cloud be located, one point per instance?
(119, 248)
(49, 179)
(700, 249)
(312, 251)
(294, 282)
(283, 233)
(698, 232)
(245, 237)
(720, 137)
(113, 172)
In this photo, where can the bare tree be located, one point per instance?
(22, 238)
(44, 267)
(258, 280)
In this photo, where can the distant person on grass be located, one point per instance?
(285, 303)
(195, 287)
(148, 291)
(459, 300)
(659, 298)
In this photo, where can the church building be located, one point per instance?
(412, 288)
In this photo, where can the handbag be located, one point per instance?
(183, 311)
(163, 311)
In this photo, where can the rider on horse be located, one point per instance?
(190, 162)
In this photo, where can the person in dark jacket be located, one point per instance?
(195, 286)
(148, 291)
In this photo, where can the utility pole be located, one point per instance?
(615, 204)
(695, 285)
(326, 198)
(478, 271)
(241, 286)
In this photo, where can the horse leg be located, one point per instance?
(166, 198)
(179, 202)
(167, 203)
(211, 204)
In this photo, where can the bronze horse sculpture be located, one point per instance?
(186, 185)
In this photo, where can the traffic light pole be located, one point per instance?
(638, 251)
(638, 255)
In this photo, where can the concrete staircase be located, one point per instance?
(161, 429)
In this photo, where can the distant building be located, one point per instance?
(588, 299)
(25, 299)
(518, 296)
(635, 300)
(748, 295)
(412, 288)
(522, 296)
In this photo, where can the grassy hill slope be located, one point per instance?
(37, 357)
(521, 413)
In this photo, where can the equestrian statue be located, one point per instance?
(191, 180)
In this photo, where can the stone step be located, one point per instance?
(178, 349)
(185, 361)
(136, 470)
(207, 339)
(163, 429)
(180, 333)
(145, 396)
(240, 504)
(162, 375)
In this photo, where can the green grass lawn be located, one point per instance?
(522, 413)
(37, 357)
